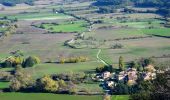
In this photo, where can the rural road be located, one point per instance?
(100, 59)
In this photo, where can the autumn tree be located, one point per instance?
(20, 80)
(106, 97)
(62, 84)
(47, 84)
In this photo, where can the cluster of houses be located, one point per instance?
(129, 75)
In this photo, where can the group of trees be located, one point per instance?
(8, 25)
(110, 6)
(20, 80)
(138, 64)
(158, 89)
(141, 63)
(103, 68)
(17, 58)
(11, 29)
(14, 2)
(59, 83)
(75, 59)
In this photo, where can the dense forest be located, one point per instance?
(106, 6)
(14, 2)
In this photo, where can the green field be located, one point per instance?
(53, 68)
(76, 26)
(93, 87)
(47, 96)
(160, 31)
(38, 16)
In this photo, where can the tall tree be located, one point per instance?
(121, 63)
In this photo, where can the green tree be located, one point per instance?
(121, 88)
(31, 61)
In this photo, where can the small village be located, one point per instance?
(129, 76)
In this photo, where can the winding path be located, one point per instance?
(100, 59)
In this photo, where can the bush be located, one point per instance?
(73, 59)
(103, 68)
(47, 84)
(100, 69)
(6, 64)
(6, 76)
(117, 46)
(20, 80)
(15, 85)
(121, 88)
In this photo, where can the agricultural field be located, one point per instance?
(38, 16)
(45, 96)
(73, 26)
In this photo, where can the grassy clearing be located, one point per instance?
(76, 26)
(53, 68)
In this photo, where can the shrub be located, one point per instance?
(20, 80)
(73, 59)
(6, 63)
(103, 68)
(5, 76)
(100, 69)
(15, 85)
(106, 97)
(47, 84)
(117, 46)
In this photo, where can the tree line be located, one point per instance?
(110, 6)
(14, 2)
